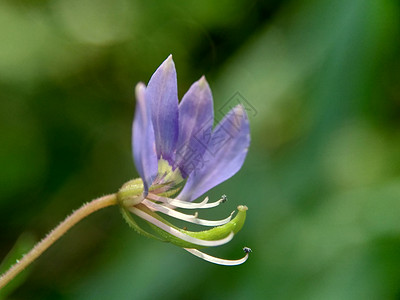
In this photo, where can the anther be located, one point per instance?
(247, 249)
(224, 198)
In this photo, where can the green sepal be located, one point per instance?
(130, 192)
(132, 223)
(212, 234)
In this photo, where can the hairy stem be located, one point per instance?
(55, 234)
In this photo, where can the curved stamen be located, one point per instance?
(181, 216)
(179, 234)
(216, 260)
(185, 204)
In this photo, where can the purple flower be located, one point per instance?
(179, 157)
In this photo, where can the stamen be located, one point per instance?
(224, 198)
(181, 216)
(216, 260)
(184, 204)
(247, 250)
(179, 234)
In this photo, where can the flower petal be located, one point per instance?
(143, 143)
(225, 155)
(195, 124)
(162, 92)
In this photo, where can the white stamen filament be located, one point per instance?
(216, 260)
(181, 216)
(177, 233)
(184, 204)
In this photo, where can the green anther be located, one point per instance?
(213, 234)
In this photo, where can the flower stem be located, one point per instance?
(55, 234)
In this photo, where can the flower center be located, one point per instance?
(168, 181)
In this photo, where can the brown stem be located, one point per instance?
(55, 234)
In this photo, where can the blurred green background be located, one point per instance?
(321, 180)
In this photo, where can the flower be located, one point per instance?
(179, 157)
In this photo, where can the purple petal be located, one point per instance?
(162, 92)
(195, 124)
(143, 143)
(225, 155)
